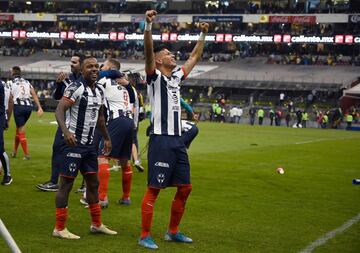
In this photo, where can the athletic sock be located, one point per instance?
(5, 162)
(178, 207)
(147, 210)
(23, 142)
(104, 176)
(126, 181)
(95, 212)
(61, 216)
(17, 140)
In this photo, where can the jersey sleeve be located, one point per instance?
(180, 73)
(72, 92)
(102, 92)
(152, 77)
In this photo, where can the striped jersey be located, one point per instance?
(2, 104)
(7, 94)
(60, 87)
(136, 108)
(82, 116)
(164, 96)
(117, 99)
(20, 89)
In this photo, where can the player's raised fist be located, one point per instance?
(150, 15)
(204, 27)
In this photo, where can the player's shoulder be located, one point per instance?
(76, 86)
(100, 87)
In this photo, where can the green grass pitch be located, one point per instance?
(238, 203)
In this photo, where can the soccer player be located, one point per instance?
(62, 82)
(83, 102)
(119, 95)
(168, 163)
(189, 130)
(20, 102)
(138, 110)
(7, 179)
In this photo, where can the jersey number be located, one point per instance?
(126, 99)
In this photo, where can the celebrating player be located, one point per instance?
(83, 103)
(119, 95)
(168, 163)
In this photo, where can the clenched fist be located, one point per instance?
(204, 27)
(150, 16)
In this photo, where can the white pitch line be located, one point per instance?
(322, 240)
(319, 140)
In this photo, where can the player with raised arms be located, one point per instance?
(168, 162)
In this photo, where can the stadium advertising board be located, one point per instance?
(354, 19)
(217, 19)
(158, 19)
(5, 34)
(293, 19)
(79, 18)
(357, 40)
(171, 37)
(6, 17)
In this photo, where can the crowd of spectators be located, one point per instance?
(201, 7)
(309, 59)
(182, 28)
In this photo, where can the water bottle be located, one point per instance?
(356, 181)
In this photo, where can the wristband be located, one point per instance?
(148, 27)
(202, 36)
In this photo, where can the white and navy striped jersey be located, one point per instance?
(136, 108)
(2, 104)
(164, 95)
(20, 90)
(60, 87)
(7, 94)
(82, 116)
(117, 101)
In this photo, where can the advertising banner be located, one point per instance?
(79, 18)
(211, 19)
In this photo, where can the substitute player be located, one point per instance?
(83, 103)
(168, 163)
(21, 92)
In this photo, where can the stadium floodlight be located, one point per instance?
(8, 238)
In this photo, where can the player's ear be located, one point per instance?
(158, 61)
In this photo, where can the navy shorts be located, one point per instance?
(168, 162)
(21, 114)
(80, 157)
(189, 132)
(121, 134)
(135, 139)
(2, 149)
(56, 160)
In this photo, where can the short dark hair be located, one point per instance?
(16, 71)
(114, 62)
(87, 57)
(81, 57)
(160, 47)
